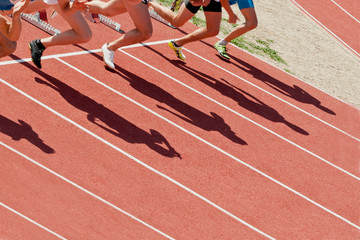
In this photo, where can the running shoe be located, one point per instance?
(176, 5)
(36, 52)
(177, 50)
(222, 51)
(108, 56)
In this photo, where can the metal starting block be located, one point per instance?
(92, 17)
(157, 17)
(36, 20)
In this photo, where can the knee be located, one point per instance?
(177, 22)
(211, 32)
(252, 25)
(85, 36)
(145, 35)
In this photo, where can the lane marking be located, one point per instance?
(345, 11)
(239, 114)
(273, 95)
(30, 220)
(71, 54)
(131, 157)
(328, 30)
(72, 183)
(209, 144)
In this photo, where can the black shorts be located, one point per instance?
(212, 7)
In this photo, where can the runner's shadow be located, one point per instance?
(212, 122)
(106, 119)
(244, 99)
(21, 130)
(184, 111)
(294, 91)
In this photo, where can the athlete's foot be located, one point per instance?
(222, 51)
(177, 50)
(108, 56)
(36, 49)
(176, 5)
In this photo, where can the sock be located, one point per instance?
(39, 44)
(223, 42)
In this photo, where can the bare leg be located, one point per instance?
(143, 28)
(80, 32)
(250, 23)
(110, 8)
(6, 46)
(176, 19)
(213, 20)
(35, 6)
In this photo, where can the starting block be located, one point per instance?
(40, 22)
(157, 17)
(92, 17)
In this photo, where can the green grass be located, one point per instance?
(261, 47)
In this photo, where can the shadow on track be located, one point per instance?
(212, 122)
(106, 119)
(21, 130)
(244, 99)
(293, 92)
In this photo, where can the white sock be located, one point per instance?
(223, 42)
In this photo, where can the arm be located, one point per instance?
(12, 30)
(232, 17)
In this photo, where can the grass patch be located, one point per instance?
(259, 47)
(198, 21)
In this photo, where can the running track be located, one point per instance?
(159, 149)
(340, 18)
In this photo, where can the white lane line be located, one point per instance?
(211, 145)
(80, 53)
(134, 159)
(246, 118)
(329, 31)
(345, 11)
(30, 220)
(74, 184)
(273, 95)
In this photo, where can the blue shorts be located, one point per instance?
(6, 4)
(242, 3)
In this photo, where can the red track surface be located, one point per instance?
(341, 18)
(159, 148)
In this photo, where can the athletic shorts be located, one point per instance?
(242, 3)
(7, 4)
(214, 6)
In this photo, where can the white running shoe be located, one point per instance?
(108, 56)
